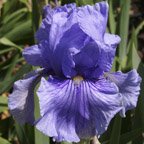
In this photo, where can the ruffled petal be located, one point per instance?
(34, 55)
(43, 31)
(48, 11)
(76, 109)
(129, 88)
(67, 27)
(93, 20)
(108, 49)
(61, 35)
(21, 101)
(49, 18)
(107, 56)
(61, 22)
(72, 42)
(91, 61)
(111, 40)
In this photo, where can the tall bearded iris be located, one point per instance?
(78, 95)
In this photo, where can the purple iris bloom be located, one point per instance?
(78, 95)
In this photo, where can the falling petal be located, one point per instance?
(76, 109)
(21, 101)
(129, 88)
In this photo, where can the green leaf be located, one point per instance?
(66, 1)
(15, 16)
(25, 133)
(65, 143)
(39, 137)
(4, 127)
(30, 133)
(12, 66)
(24, 1)
(4, 141)
(7, 84)
(35, 15)
(127, 137)
(84, 2)
(115, 135)
(112, 22)
(3, 103)
(9, 7)
(6, 50)
(95, 1)
(139, 112)
(7, 42)
(133, 59)
(124, 26)
(21, 133)
(140, 26)
(13, 20)
(20, 32)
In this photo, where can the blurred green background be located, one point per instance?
(19, 19)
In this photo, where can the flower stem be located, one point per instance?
(94, 140)
(46, 2)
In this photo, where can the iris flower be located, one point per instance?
(78, 95)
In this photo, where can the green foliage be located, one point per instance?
(123, 27)
(4, 141)
(15, 33)
(3, 104)
(115, 134)
(39, 137)
(19, 20)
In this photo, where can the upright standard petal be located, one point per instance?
(88, 57)
(21, 101)
(76, 109)
(107, 56)
(93, 20)
(108, 50)
(72, 42)
(129, 88)
(49, 13)
(43, 31)
(60, 36)
(66, 28)
(61, 22)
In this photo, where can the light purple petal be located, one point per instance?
(111, 39)
(107, 56)
(61, 36)
(73, 109)
(67, 27)
(21, 100)
(74, 38)
(91, 60)
(48, 11)
(61, 22)
(93, 20)
(43, 31)
(108, 49)
(49, 19)
(36, 55)
(129, 88)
